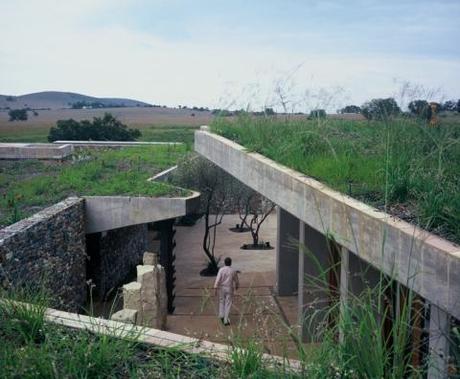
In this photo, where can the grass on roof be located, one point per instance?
(27, 186)
(402, 166)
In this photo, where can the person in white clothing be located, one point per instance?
(226, 283)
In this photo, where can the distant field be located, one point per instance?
(156, 124)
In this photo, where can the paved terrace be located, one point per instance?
(257, 311)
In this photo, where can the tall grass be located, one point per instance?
(401, 166)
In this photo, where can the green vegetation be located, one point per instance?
(107, 128)
(26, 186)
(18, 114)
(169, 133)
(401, 166)
(150, 133)
(32, 348)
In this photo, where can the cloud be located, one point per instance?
(50, 45)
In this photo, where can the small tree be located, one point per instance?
(380, 109)
(202, 175)
(18, 114)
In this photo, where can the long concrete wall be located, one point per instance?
(420, 260)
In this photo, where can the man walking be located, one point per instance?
(226, 282)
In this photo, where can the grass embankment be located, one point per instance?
(402, 166)
(27, 186)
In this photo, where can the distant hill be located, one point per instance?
(64, 100)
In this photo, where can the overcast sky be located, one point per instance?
(231, 53)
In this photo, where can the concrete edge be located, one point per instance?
(114, 143)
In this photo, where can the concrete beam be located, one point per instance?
(416, 258)
(34, 151)
(113, 212)
(287, 253)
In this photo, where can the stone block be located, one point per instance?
(150, 259)
(125, 315)
(144, 273)
(132, 296)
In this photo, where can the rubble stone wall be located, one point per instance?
(48, 248)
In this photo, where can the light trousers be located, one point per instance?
(225, 303)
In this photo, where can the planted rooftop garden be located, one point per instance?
(28, 186)
(401, 165)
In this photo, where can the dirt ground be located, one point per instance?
(256, 311)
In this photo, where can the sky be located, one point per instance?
(287, 54)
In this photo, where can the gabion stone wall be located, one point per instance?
(48, 248)
(113, 255)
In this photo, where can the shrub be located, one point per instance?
(18, 114)
(100, 129)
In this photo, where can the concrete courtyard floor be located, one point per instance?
(257, 312)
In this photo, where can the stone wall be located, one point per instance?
(48, 247)
(113, 255)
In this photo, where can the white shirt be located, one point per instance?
(226, 278)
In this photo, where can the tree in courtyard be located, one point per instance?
(106, 128)
(202, 175)
(260, 210)
(380, 109)
(18, 114)
(253, 209)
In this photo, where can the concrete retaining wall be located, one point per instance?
(49, 247)
(418, 259)
(34, 151)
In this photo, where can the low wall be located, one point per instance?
(114, 254)
(50, 247)
(34, 151)
(114, 143)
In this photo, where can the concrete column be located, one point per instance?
(344, 279)
(287, 260)
(301, 279)
(313, 284)
(438, 343)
